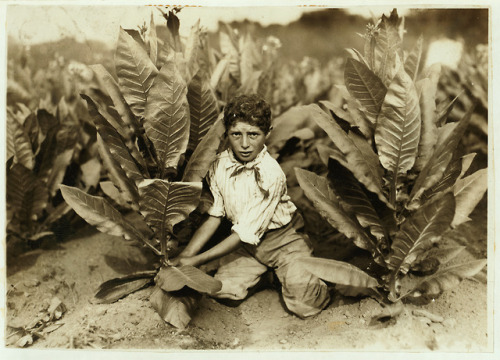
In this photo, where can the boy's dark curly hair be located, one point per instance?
(251, 109)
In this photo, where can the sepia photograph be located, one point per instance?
(297, 179)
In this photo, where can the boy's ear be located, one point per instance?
(269, 132)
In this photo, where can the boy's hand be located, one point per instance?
(182, 260)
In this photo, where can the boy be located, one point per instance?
(249, 189)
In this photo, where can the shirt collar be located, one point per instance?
(234, 162)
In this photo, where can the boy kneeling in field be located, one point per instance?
(249, 189)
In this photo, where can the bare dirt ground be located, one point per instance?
(72, 270)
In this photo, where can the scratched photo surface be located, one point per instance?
(379, 126)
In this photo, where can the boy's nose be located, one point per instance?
(244, 142)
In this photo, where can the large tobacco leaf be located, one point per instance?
(115, 289)
(113, 90)
(203, 108)
(447, 278)
(428, 135)
(325, 201)
(354, 198)
(164, 204)
(437, 164)
(358, 160)
(152, 41)
(135, 71)
(98, 212)
(365, 86)
(387, 48)
(412, 62)
(175, 278)
(337, 272)
(117, 174)
(398, 128)
(115, 143)
(205, 153)
(176, 308)
(192, 50)
(420, 231)
(167, 116)
(468, 192)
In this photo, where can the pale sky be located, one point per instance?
(33, 24)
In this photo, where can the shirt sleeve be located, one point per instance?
(260, 212)
(217, 208)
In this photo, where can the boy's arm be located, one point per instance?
(201, 236)
(229, 244)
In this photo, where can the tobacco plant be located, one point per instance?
(396, 182)
(43, 151)
(156, 137)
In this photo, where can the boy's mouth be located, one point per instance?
(245, 153)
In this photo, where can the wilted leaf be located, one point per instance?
(205, 153)
(358, 162)
(167, 116)
(115, 289)
(175, 278)
(435, 167)
(325, 201)
(135, 71)
(468, 192)
(412, 62)
(447, 278)
(164, 204)
(429, 133)
(365, 86)
(337, 272)
(398, 128)
(177, 308)
(98, 212)
(203, 108)
(417, 234)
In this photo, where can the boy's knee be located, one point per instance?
(306, 299)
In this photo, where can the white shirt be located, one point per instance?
(252, 196)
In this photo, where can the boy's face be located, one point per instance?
(246, 140)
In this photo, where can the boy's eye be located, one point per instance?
(253, 135)
(236, 134)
